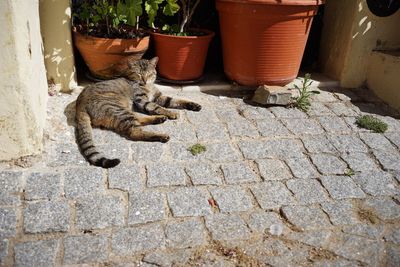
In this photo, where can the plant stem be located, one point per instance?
(137, 23)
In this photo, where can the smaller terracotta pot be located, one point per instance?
(102, 53)
(181, 58)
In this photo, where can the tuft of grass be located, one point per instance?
(197, 149)
(371, 123)
(302, 102)
(349, 172)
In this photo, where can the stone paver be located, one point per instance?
(99, 213)
(36, 253)
(227, 227)
(47, 216)
(189, 201)
(231, 199)
(273, 169)
(85, 249)
(239, 172)
(330, 186)
(146, 207)
(184, 234)
(272, 195)
(342, 187)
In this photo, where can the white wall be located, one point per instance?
(23, 85)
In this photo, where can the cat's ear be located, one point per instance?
(154, 61)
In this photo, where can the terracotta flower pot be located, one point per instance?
(181, 58)
(102, 53)
(263, 41)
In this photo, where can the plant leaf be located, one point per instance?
(171, 8)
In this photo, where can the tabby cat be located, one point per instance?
(112, 105)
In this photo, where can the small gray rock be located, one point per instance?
(232, 199)
(188, 201)
(342, 187)
(85, 249)
(165, 175)
(185, 234)
(227, 227)
(146, 207)
(36, 253)
(8, 222)
(272, 195)
(46, 216)
(239, 172)
(306, 218)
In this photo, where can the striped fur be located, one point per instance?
(114, 105)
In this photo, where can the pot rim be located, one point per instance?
(209, 34)
(279, 2)
(74, 30)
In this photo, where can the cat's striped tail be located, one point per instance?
(86, 146)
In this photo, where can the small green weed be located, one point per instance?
(197, 149)
(371, 123)
(349, 172)
(302, 102)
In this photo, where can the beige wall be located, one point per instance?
(383, 77)
(55, 22)
(350, 34)
(23, 86)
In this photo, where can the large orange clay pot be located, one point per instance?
(181, 58)
(263, 41)
(101, 53)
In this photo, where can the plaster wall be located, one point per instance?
(383, 76)
(23, 86)
(55, 22)
(350, 34)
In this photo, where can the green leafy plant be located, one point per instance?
(371, 123)
(303, 100)
(197, 149)
(108, 18)
(349, 172)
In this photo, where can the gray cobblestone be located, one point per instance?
(8, 222)
(393, 124)
(377, 141)
(360, 162)
(391, 257)
(328, 164)
(347, 143)
(385, 209)
(228, 115)
(256, 113)
(189, 202)
(260, 221)
(356, 248)
(303, 126)
(365, 230)
(203, 174)
(227, 227)
(177, 131)
(389, 159)
(99, 213)
(148, 151)
(10, 185)
(127, 178)
(43, 186)
(85, 249)
(273, 169)
(342, 187)
(220, 152)
(287, 113)
(165, 174)
(279, 147)
(341, 212)
(238, 173)
(272, 195)
(314, 238)
(65, 154)
(394, 138)
(272, 127)
(165, 258)
(146, 206)
(81, 182)
(231, 199)
(318, 144)
(46, 216)
(334, 124)
(185, 234)
(319, 109)
(306, 218)
(392, 235)
(324, 97)
(307, 191)
(376, 183)
(127, 241)
(211, 132)
(342, 109)
(242, 127)
(301, 167)
(204, 116)
(3, 250)
(36, 253)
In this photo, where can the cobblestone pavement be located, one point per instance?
(274, 187)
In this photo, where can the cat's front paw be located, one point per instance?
(160, 119)
(193, 106)
(172, 116)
